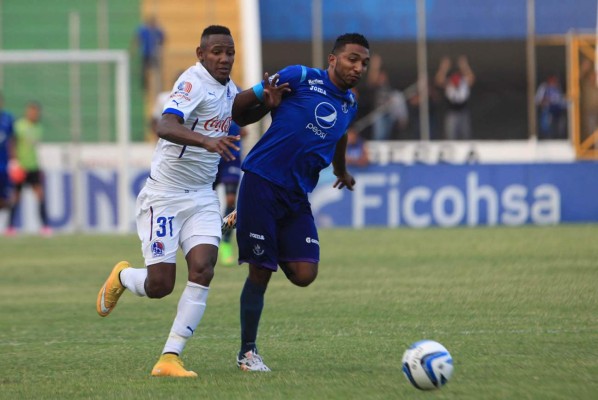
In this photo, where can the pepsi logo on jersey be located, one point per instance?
(325, 114)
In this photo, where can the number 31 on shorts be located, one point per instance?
(164, 226)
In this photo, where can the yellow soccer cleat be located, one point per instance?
(111, 291)
(171, 365)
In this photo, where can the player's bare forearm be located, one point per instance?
(251, 115)
(170, 128)
(253, 104)
(339, 164)
(243, 106)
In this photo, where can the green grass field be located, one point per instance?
(516, 307)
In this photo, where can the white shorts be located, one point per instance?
(167, 220)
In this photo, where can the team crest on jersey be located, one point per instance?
(325, 114)
(158, 248)
(257, 250)
(185, 86)
(345, 107)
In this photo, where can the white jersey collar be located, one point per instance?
(205, 75)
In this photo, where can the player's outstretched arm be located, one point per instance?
(252, 104)
(170, 128)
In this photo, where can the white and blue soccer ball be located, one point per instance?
(427, 365)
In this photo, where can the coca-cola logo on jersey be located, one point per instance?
(218, 125)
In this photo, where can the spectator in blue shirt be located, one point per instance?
(551, 103)
(150, 39)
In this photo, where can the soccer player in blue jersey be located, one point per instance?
(6, 153)
(275, 226)
(229, 176)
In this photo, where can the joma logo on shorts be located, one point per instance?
(256, 236)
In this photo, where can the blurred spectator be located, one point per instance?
(6, 153)
(457, 84)
(229, 176)
(414, 101)
(357, 153)
(150, 39)
(550, 99)
(28, 133)
(588, 99)
(390, 105)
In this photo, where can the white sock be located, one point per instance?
(189, 312)
(134, 280)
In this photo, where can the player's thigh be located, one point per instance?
(161, 278)
(200, 237)
(159, 220)
(257, 215)
(203, 219)
(300, 273)
(298, 239)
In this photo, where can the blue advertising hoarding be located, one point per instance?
(452, 195)
(393, 195)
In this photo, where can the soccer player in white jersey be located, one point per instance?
(178, 206)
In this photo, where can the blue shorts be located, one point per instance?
(274, 225)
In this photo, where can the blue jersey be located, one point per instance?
(305, 129)
(6, 133)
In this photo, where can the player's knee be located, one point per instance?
(302, 277)
(202, 273)
(157, 290)
(303, 281)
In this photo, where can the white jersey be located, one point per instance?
(206, 107)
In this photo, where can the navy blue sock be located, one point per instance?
(252, 304)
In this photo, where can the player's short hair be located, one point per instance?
(215, 30)
(349, 38)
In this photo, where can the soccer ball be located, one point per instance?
(427, 365)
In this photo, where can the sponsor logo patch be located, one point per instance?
(325, 114)
(318, 89)
(312, 240)
(218, 125)
(256, 236)
(316, 130)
